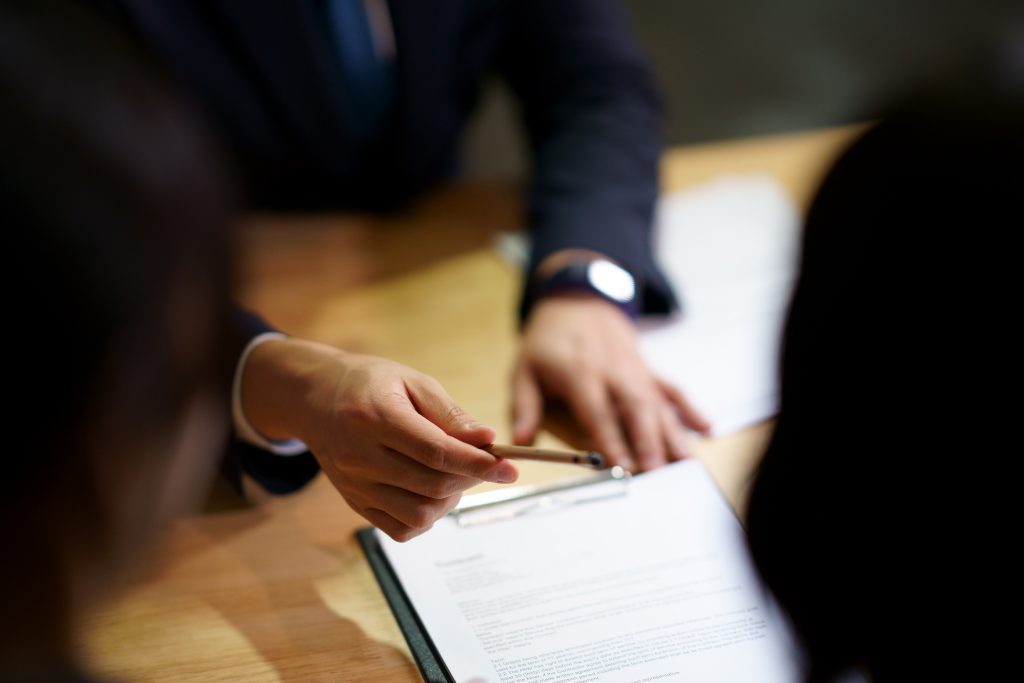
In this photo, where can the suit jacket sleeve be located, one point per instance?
(276, 473)
(593, 117)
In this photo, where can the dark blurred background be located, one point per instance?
(736, 68)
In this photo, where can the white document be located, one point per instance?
(655, 585)
(729, 248)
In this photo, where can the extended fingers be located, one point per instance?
(414, 511)
(593, 407)
(640, 408)
(527, 405)
(398, 495)
(433, 402)
(394, 468)
(688, 413)
(416, 437)
(392, 526)
(677, 443)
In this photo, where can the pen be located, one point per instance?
(585, 458)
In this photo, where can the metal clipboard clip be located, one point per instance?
(509, 503)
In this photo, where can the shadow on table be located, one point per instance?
(270, 571)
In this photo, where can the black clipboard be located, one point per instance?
(429, 661)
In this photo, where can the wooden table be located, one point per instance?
(280, 591)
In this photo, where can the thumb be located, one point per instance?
(527, 405)
(434, 403)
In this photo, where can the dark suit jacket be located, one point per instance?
(266, 75)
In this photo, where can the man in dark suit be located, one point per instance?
(358, 104)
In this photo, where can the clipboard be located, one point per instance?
(428, 660)
(481, 508)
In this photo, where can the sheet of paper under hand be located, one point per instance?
(729, 248)
(654, 585)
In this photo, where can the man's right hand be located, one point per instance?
(390, 439)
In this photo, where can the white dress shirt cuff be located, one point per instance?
(243, 429)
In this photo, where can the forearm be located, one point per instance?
(595, 177)
(279, 386)
(594, 121)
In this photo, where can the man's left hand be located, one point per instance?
(583, 350)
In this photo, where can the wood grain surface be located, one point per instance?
(280, 591)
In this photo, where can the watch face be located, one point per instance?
(612, 281)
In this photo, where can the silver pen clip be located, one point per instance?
(509, 503)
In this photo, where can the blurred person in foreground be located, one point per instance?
(359, 105)
(114, 212)
(877, 517)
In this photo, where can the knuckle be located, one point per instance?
(390, 400)
(424, 514)
(634, 391)
(602, 415)
(435, 455)
(432, 386)
(672, 420)
(452, 501)
(582, 364)
(612, 440)
(440, 488)
(455, 415)
(631, 400)
(526, 398)
(645, 421)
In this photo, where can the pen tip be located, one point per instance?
(596, 459)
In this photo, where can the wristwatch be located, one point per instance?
(597, 276)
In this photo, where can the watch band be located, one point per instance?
(598, 276)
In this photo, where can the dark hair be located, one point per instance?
(866, 515)
(114, 210)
